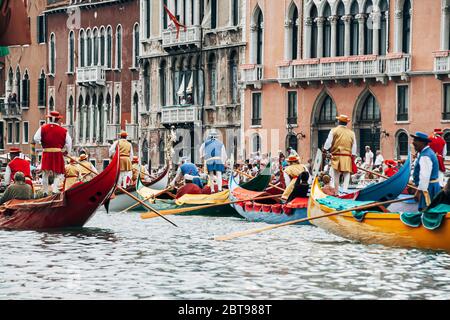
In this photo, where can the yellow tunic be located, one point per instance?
(293, 171)
(135, 168)
(125, 149)
(343, 139)
(86, 175)
(72, 174)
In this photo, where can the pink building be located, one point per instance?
(385, 63)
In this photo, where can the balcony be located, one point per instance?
(180, 114)
(133, 131)
(344, 68)
(11, 111)
(112, 132)
(92, 76)
(252, 75)
(191, 38)
(441, 64)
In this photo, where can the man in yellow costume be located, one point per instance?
(126, 156)
(137, 170)
(84, 166)
(291, 174)
(341, 142)
(72, 174)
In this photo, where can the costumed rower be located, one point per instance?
(426, 170)
(341, 142)
(137, 169)
(53, 139)
(291, 174)
(213, 152)
(17, 164)
(188, 171)
(126, 155)
(391, 168)
(84, 164)
(72, 174)
(439, 146)
(188, 188)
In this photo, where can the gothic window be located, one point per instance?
(94, 113)
(384, 11)
(119, 47)
(81, 41)
(52, 54)
(402, 144)
(102, 46)
(109, 47)
(256, 109)
(406, 44)
(212, 79)
(136, 108)
(163, 83)
(69, 112)
(327, 32)
(136, 46)
(96, 46)
(340, 30)
(370, 111)
(368, 28)
(88, 116)
(71, 49)
(327, 111)
(80, 118)
(234, 90)
(101, 118)
(259, 36)
(294, 33)
(42, 88)
(314, 32)
(354, 30)
(108, 110)
(117, 110)
(18, 80)
(89, 48)
(25, 99)
(51, 104)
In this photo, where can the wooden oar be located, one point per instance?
(124, 191)
(249, 176)
(149, 215)
(385, 177)
(146, 199)
(254, 231)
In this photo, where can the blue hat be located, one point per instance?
(421, 136)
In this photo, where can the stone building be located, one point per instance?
(189, 78)
(385, 63)
(93, 71)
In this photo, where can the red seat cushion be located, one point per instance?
(249, 206)
(276, 208)
(266, 208)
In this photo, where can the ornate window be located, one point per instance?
(354, 30)
(136, 45)
(117, 110)
(327, 112)
(119, 47)
(102, 46)
(314, 32)
(109, 47)
(293, 33)
(368, 28)
(25, 99)
(89, 48)
(71, 49)
(96, 40)
(406, 30)
(82, 43)
(52, 54)
(259, 37)
(384, 11)
(340, 30)
(327, 31)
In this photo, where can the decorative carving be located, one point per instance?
(333, 19)
(361, 17)
(398, 14)
(288, 23)
(320, 21)
(347, 18)
(308, 21)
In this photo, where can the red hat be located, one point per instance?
(83, 157)
(438, 131)
(293, 158)
(390, 162)
(135, 159)
(54, 114)
(123, 134)
(14, 150)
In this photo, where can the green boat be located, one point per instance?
(258, 183)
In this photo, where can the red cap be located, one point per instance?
(438, 131)
(54, 114)
(15, 150)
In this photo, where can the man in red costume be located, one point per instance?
(391, 168)
(439, 146)
(17, 164)
(53, 139)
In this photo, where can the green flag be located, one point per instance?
(4, 51)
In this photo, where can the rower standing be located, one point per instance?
(213, 152)
(341, 142)
(126, 155)
(53, 139)
(439, 146)
(17, 164)
(426, 170)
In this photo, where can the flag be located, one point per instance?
(175, 21)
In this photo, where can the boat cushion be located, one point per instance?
(298, 203)
(287, 210)
(276, 208)
(341, 204)
(266, 208)
(257, 207)
(220, 197)
(431, 220)
(241, 193)
(249, 206)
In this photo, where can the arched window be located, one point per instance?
(327, 31)
(109, 47)
(89, 48)
(212, 67)
(162, 82)
(340, 32)
(18, 87)
(402, 144)
(369, 120)
(71, 49)
(109, 114)
(82, 55)
(259, 19)
(136, 45)
(102, 46)
(96, 39)
(370, 111)
(406, 43)
(292, 142)
(101, 118)
(256, 143)
(117, 110)
(51, 104)
(52, 54)
(384, 11)
(25, 99)
(293, 36)
(314, 32)
(326, 119)
(80, 117)
(136, 108)
(69, 112)
(233, 89)
(119, 47)
(94, 112)
(10, 78)
(88, 116)
(354, 30)
(368, 28)
(161, 150)
(42, 90)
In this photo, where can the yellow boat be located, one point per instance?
(378, 227)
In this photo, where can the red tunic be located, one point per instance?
(188, 188)
(22, 165)
(437, 144)
(53, 137)
(390, 171)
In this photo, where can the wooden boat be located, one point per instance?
(297, 209)
(378, 227)
(69, 209)
(258, 183)
(121, 201)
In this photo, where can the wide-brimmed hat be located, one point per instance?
(390, 162)
(438, 131)
(343, 118)
(83, 157)
(420, 136)
(292, 158)
(135, 159)
(54, 114)
(14, 150)
(123, 134)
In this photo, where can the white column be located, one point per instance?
(307, 38)
(197, 12)
(253, 44)
(188, 13)
(83, 128)
(398, 34)
(376, 17)
(362, 20)
(347, 46)
(181, 8)
(287, 39)
(78, 126)
(91, 123)
(445, 27)
(97, 127)
(105, 121)
(320, 22)
(333, 21)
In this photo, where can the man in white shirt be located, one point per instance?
(368, 159)
(379, 160)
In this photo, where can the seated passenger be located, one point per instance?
(301, 187)
(443, 197)
(327, 188)
(18, 190)
(188, 188)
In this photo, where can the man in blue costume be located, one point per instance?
(213, 152)
(426, 170)
(189, 172)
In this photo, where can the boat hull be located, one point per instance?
(220, 211)
(378, 228)
(273, 218)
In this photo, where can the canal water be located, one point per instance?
(120, 256)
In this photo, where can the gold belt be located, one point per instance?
(434, 181)
(52, 150)
(124, 156)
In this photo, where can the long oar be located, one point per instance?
(254, 231)
(249, 176)
(149, 215)
(125, 191)
(146, 199)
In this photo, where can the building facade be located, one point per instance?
(25, 73)
(189, 78)
(385, 63)
(93, 71)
